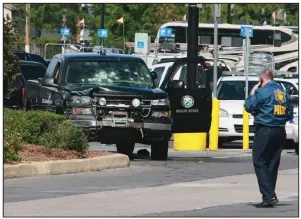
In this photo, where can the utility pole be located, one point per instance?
(102, 21)
(213, 141)
(192, 47)
(229, 14)
(27, 29)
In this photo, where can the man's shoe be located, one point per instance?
(267, 204)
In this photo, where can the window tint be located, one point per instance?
(32, 72)
(124, 73)
(21, 56)
(181, 74)
(39, 59)
(159, 71)
(233, 90)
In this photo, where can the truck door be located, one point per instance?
(46, 93)
(190, 108)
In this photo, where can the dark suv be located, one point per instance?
(113, 97)
(28, 71)
(30, 57)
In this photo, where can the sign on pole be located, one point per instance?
(243, 31)
(103, 33)
(142, 43)
(65, 31)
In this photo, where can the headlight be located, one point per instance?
(223, 113)
(136, 102)
(102, 101)
(161, 114)
(81, 99)
(161, 102)
(81, 111)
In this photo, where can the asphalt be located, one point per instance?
(181, 167)
(287, 208)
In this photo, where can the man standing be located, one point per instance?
(272, 108)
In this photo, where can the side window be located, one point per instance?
(39, 59)
(32, 72)
(51, 67)
(57, 71)
(155, 61)
(290, 88)
(159, 71)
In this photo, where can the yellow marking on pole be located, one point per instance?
(245, 130)
(213, 144)
(189, 141)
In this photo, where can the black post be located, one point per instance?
(102, 20)
(229, 14)
(192, 44)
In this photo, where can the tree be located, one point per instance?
(11, 66)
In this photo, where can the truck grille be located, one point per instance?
(239, 128)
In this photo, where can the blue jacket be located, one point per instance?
(270, 105)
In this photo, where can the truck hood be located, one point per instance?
(87, 89)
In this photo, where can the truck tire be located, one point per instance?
(159, 151)
(126, 148)
(297, 148)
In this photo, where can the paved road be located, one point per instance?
(143, 175)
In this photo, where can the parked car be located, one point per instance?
(231, 93)
(112, 96)
(30, 57)
(295, 101)
(28, 71)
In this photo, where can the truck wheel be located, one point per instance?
(297, 148)
(159, 151)
(126, 149)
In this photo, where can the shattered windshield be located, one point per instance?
(106, 72)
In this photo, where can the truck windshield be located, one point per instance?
(126, 73)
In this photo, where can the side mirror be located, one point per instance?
(154, 75)
(40, 80)
(177, 84)
(48, 82)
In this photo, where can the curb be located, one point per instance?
(65, 166)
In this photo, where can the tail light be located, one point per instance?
(23, 94)
(208, 64)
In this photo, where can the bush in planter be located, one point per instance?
(41, 128)
(66, 136)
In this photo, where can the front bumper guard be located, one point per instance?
(146, 125)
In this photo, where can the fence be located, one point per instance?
(39, 49)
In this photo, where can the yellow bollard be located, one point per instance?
(213, 144)
(189, 141)
(245, 130)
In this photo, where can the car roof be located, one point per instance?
(238, 78)
(168, 64)
(91, 55)
(25, 62)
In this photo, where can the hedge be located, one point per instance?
(41, 128)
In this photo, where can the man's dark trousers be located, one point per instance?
(267, 147)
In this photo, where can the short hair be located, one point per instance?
(267, 74)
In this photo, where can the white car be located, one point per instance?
(161, 70)
(231, 93)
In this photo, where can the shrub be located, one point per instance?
(41, 128)
(66, 136)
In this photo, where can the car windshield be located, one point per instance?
(100, 72)
(233, 90)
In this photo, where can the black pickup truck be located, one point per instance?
(113, 97)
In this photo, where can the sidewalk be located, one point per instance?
(230, 190)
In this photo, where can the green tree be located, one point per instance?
(11, 62)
